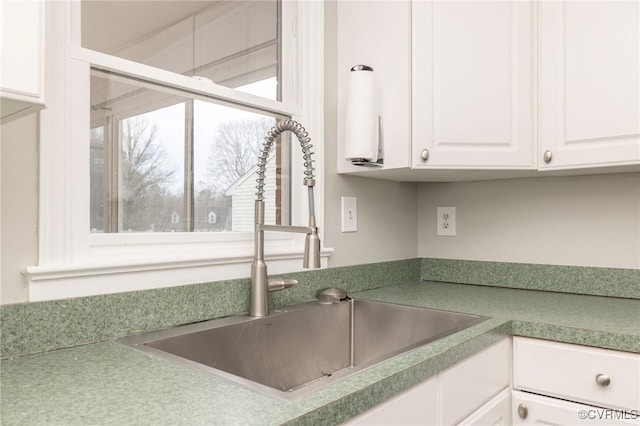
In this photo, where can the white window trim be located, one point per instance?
(72, 262)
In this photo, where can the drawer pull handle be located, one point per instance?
(603, 380)
(523, 411)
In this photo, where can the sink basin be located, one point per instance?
(300, 348)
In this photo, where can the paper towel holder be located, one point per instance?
(363, 162)
(361, 68)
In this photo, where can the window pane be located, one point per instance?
(162, 161)
(227, 142)
(151, 168)
(231, 43)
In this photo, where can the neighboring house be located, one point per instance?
(243, 195)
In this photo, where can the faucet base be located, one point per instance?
(259, 305)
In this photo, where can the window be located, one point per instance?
(173, 159)
(134, 191)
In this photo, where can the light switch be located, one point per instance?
(349, 214)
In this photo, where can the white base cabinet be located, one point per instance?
(416, 406)
(465, 387)
(496, 412)
(452, 395)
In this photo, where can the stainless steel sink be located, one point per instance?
(302, 347)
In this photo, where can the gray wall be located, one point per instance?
(579, 220)
(387, 211)
(19, 217)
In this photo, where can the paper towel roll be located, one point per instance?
(361, 124)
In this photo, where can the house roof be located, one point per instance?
(231, 190)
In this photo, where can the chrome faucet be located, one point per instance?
(260, 286)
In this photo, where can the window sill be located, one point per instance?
(54, 282)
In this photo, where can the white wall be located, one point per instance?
(580, 220)
(387, 211)
(19, 206)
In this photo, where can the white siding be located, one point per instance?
(244, 197)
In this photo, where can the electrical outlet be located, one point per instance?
(349, 214)
(446, 221)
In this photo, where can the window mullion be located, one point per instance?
(111, 204)
(189, 216)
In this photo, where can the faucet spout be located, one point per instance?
(260, 285)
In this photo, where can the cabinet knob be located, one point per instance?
(547, 156)
(523, 411)
(603, 380)
(424, 154)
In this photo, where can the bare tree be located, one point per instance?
(145, 173)
(236, 146)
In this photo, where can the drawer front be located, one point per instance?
(577, 373)
(468, 385)
(529, 409)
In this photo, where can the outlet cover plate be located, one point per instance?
(446, 221)
(349, 214)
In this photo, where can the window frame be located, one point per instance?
(73, 262)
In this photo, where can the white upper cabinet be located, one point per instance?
(472, 85)
(474, 90)
(589, 84)
(22, 58)
(377, 34)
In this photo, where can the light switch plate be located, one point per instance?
(349, 214)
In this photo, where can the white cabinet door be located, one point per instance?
(22, 57)
(468, 385)
(472, 85)
(589, 84)
(529, 409)
(454, 394)
(496, 412)
(416, 406)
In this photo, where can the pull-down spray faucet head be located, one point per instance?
(311, 258)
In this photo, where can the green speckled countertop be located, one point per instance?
(108, 383)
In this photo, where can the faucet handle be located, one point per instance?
(277, 284)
